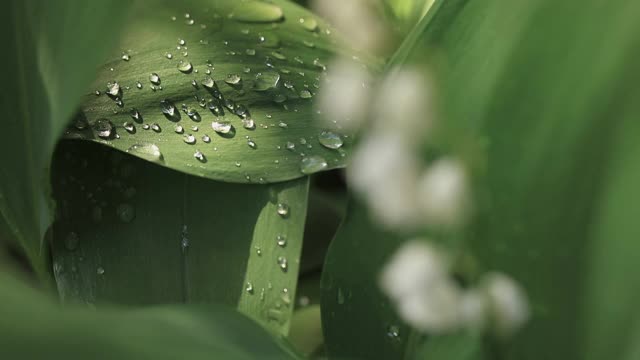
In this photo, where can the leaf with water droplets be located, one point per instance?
(250, 78)
(136, 220)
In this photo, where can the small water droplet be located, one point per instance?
(199, 156)
(252, 144)
(150, 152)
(179, 129)
(126, 57)
(282, 263)
(283, 210)
(71, 241)
(154, 78)
(250, 52)
(206, 139)
(100, 270)
(258, 250)
(189, 139)
(138, 84)
(281, 240)
(103, 127)
(305, 94)
(291, 146)
(233, 79)
(393, 332)
(129, 126)
(249, 287)
(330, 140)
(181, 42)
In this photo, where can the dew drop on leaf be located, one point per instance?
(312, 164)
(129, 126)
(189, 139)
(167, 107)
(154, 78)
(282, 263)
(283, 210)
(281, 240)
(103, 127)
(266, 80)
(330, 140)
(249, 287)
(150, 152)
(185, 66)
(308, 23)
(221, 127)
(233, 79)
(126, 212)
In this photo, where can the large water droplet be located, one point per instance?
(266, 80)
(221, 127)
(126, 212)
(189, 139)
(149, 152)
(168, 108)
(257, 11)
(313, 164)
(103, 127)
(308, 23)
(185, 66)
(208, 83)
(330, 140)
(233, 79)
(248, 124)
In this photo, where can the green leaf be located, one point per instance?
(266, 58)
(546, 86)
(461, 346)
(35, 328)
(132, 232)
(47, 65)
(357, 319)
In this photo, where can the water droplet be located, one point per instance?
(238, 164)
(189, 139)
(145, 126)
(249, 287)
(270, 40)
(100, 270)
(330, 140)
(286, 298)
(283, 210)
(305, 94)
(266, 80)
(393, 332)
(179, 129)
(206, 139)
(154, 78)
(308, 44)
(126, 212)
(250, 52)
(291, 146)
(169, 56)
(278, 55)
(185, 66)
(282, 263)
(208, 83)
(181, 42)
(113, 89)
(252, 144)
(138, 84)
(129, 127)
(192, 113)
(221, 127)
(103, 127)
(281, 240)
(257, 11)
(233, 79)
(149, 152)
(71, 241)
(126, 57)
(258, 250)
(313, 164)
(248, 124)
(199, 155)
(168, 108)
(309, 23)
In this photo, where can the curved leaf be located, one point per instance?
(33, 328)
(46, 69)
(264, 60)
(132, 232)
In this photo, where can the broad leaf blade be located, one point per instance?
(132, 232)
(47, 68)
(244, 49)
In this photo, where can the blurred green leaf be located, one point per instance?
(462, 346)
(550, 88)
(47, 65)
(357, 319)
(132, 232)
(267, 68)
(35, 328)
(306, 330)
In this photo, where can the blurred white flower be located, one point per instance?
(345, 95)
(405, 104)
(444, 194)
(474, 309)
(508, 303)
(384, 170)
(417, 280)
(357, 20)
